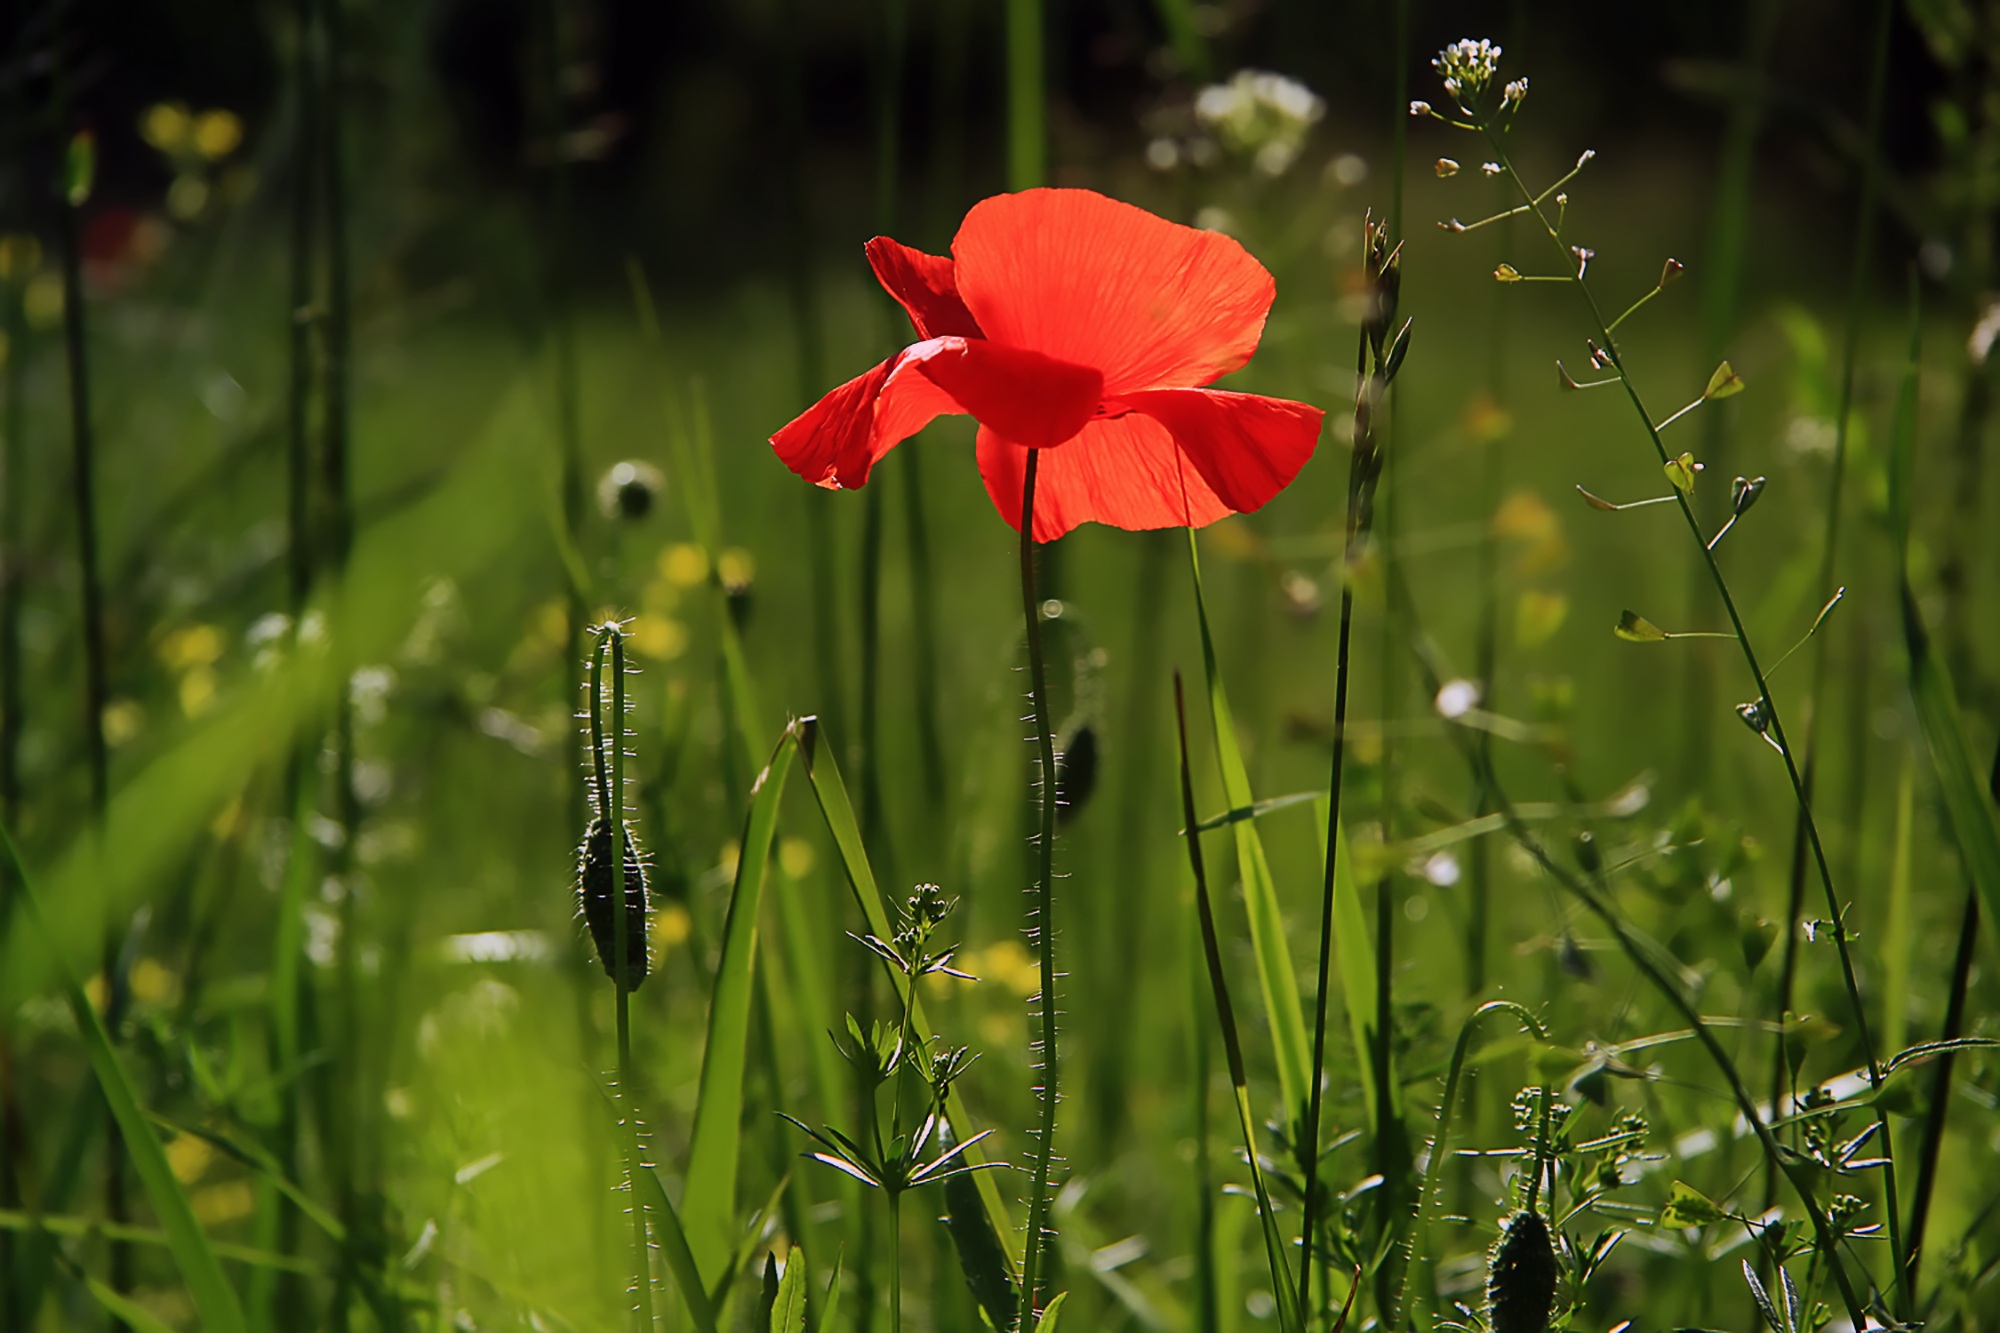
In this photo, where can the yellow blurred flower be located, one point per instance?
(230, 1201)
(217, 134)
(796, 857)
(165, 126)
(152, 982)
(191, 646)
(684, 564)
(670, 927)
(737, 567)
(189, 1155)
(661, 638)
(198, 691)
(123, 719)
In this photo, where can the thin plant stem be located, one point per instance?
(1857, 288)
(1931, 1146)
(896, 1259)
(83, 494)
(1750, 660)
(1043, 930)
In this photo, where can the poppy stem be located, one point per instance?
(1042, 927)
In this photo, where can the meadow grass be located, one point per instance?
(1549, 905)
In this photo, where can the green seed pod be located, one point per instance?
(1521, 1276)
(595, 889)
(1076, 773)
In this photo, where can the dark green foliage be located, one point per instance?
(1521, 1276)
(595, 890)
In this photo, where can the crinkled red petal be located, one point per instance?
(1025, 396)
(836, 441)
(1125, 471)
(1245, 446)
(925, 287)
(1096, 282)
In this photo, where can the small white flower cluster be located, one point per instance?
(1261, 116)
(1515, 93)
(1467, 67)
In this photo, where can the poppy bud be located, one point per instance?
(1076, 773)
(596, 888)
(1521, 1276)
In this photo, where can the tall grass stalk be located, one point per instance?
(1373, 371)
(1857, 290)
(610, 776)
(1027, 118)
(1042, 915)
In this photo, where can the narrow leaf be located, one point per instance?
(673, 1242)
(710, 1198)
(788, 1310)
(1047, 1323)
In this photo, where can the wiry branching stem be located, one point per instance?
(1044, 906)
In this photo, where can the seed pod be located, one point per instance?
(1521, 1276)
(595, 889)
(1076, 773)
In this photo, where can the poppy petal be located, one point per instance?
(1025, 396)
(1125, 471)
(1096, 282)
(837, 440)
(1245, 446)
(925, 287)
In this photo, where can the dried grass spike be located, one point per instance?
(596, 887)
(1521, 1276)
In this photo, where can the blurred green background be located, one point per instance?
(570, 236)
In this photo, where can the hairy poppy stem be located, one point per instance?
(1044, 928)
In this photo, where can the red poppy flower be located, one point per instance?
(1072, 323)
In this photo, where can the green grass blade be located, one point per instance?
(673, 1242)
(67, 1225)
(1969, 814)
(1899, 942)
(1275, 975)
(213, 1297)
(829, 1315)
(123, 1309)
(710, 1199)
(1232, 1044)
(838, 811)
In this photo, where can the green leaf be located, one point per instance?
(1047, 1323)
(1689, 1207)
(1637, 629)
(713, 1153)
(1724, 383)
(829, 1315)
(788, 1311)
(214, 1300)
